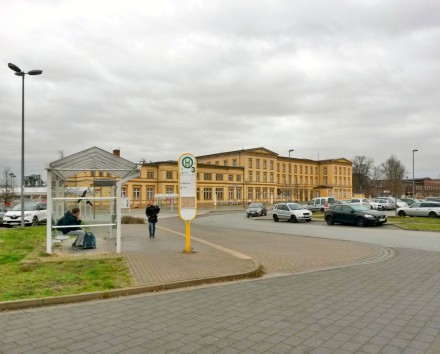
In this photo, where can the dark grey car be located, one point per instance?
(359, 215)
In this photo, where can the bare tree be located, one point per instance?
(7, 185)
(376, 176)
(362, 166)
(394, 172)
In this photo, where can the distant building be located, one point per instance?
(235, 177)
(423, 187)
(33, 181)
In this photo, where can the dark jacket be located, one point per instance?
(70, 219)
(152, 212)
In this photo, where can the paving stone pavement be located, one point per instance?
(391, 306)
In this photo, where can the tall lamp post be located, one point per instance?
(21, 73)
(290, 176)
(413, 195)
(12, 175)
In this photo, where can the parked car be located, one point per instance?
(363, 201)
(256, 209)
(401, 204)
(394, 203)
(2, 212)
(410, 201)
(431, 209)
(356, 214)
(292, 212)
(320, 204)
(382, 204)
(34, 213)
(433, 199)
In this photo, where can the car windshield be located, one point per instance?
(294, 206)
(255, 205)
(27, 206)
(360, 207)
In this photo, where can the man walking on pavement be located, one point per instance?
(152, 211)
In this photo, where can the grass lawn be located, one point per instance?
(416, 223)
(407, 223)
(38, 276)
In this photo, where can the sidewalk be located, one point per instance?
(156, 264)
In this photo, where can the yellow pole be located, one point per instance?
(188, 236)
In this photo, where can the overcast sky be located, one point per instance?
(155, 79)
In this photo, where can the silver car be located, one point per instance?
(256, 209)
(292, 212)
(430, 209)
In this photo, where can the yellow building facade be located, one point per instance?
(235, 177)
(241, 176)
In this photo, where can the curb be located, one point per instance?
(100, 295)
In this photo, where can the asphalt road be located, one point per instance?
(385, 235)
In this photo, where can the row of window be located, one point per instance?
(219, 177)
(234, 193)
(313, 169)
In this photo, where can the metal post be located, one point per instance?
(22, 152)
(290, 177)
(413, 195)
(21, 73)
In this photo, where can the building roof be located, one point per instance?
(94, 159)
(261, 150)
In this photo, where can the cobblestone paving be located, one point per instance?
(385, 307)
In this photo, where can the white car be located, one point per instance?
(34, 213)
(383, 204)
(291, 212)
(426, 208)
(363, 201)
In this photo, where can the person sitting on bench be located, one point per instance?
(73, 217)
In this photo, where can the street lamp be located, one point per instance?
(18, 72)
(12, 176)
(290, 177)
(413, 195)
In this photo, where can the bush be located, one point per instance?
(131, 220)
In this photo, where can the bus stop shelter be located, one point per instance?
(91, 160)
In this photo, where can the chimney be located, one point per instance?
(117, 152)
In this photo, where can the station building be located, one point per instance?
(241, 176)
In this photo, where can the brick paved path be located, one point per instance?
(385, 307)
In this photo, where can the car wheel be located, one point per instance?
(248, 215)
(401, 213)
(34, 221)
(308, 220)
(293, 218)
(329, 220)
(275, 217)
(360, 222)
(322, 210)
(380, 207)
(432, 214)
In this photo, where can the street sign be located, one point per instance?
(187, 187)
(187, 193)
